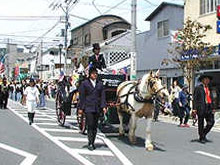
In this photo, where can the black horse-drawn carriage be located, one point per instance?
(110, 82)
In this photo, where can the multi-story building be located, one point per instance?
(96, 31)
(153, 45)
(204, 11)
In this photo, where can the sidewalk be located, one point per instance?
(175, 120)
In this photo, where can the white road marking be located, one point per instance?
(44, 119)
(46, 124)
(102, 139)
(60, 130)
(208, 154)
(72, 120)
(29, 158)
(94, 152)
(115, 150)
(56, 141)
(77, 139)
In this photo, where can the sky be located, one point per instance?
(24, 22)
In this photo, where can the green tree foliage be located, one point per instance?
(188, 51)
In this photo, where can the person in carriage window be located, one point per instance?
(97, 60)
(92, 103)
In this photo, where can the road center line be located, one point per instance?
(208, 154)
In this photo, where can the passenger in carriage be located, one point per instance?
(92, 103)
(97, 60)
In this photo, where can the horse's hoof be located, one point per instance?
(150, 147)
(132, 140)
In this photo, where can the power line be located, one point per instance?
(26, 31)
(104, 6)
(115, 6)
(28, 18)
(47, 31)
(152, 4)
(93, 3)
(11, 35)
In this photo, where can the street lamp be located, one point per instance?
(60, 48)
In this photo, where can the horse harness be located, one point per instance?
(137, 96)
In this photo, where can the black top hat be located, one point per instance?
(92, 69)
(96, 46)
(202, 76)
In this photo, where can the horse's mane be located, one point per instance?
(142, 86)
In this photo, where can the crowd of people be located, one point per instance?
(179, 104)
(32, 93)
(202, 109)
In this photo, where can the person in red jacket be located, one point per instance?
(203, 104)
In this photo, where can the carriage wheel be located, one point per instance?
(81, 120)
(61, 116)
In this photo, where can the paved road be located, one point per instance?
(52, 144)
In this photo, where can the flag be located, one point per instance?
(16, 71)
(2, 64)
(61, 76)
(123, 70)
(114, 71)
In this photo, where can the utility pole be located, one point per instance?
(8, 51)
(66, 7)
(41, 59)
(65, 34)
(133, 70)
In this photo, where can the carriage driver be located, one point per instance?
(92, 102)
(97, 60)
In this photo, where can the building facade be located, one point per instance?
(204, 11)
(153, 45)
(95, 31)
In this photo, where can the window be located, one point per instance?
(162, 28)
(208, 6)
(87, 39)
(75, 40)
(117, 32)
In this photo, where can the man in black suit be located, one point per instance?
(203, 104)
(92, 102)
(97, 60)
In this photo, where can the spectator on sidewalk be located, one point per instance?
(5, 93)
(31, 95)
(203, 104)
(184, 106)
(175, 89)
(1, 96)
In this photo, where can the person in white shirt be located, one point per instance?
(31, 95)
(175, 89)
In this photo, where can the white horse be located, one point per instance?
(136, 98)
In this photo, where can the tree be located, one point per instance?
(188, 51)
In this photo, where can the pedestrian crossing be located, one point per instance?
(69, 137)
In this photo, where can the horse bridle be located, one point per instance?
(151, 84)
